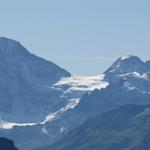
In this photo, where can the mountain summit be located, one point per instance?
(15, 57)
(24, 83)
(127, 64)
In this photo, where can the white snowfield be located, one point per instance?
(126, 57)
(10, 125)
(76, 87)
(82, 83)
(50, 117)
(137, 75)
(59, 113)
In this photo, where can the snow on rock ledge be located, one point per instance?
(76, 86)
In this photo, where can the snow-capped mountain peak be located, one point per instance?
(127, 57)
(129, 71)
(127, 64)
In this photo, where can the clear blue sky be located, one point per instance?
(83, 36)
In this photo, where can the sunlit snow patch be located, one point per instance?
(50, 117)
(59, 113)
(126, 57)
(73, 88)
(76, 86)
(9, 125)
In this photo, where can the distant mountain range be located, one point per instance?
(124, 128)
(40, 102)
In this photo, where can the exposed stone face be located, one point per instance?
(6, 144)
(24, 83)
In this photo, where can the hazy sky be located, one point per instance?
(83, 36)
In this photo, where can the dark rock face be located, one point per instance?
(6, 144)
(148, 64)
(25, 82)
(144, 144)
